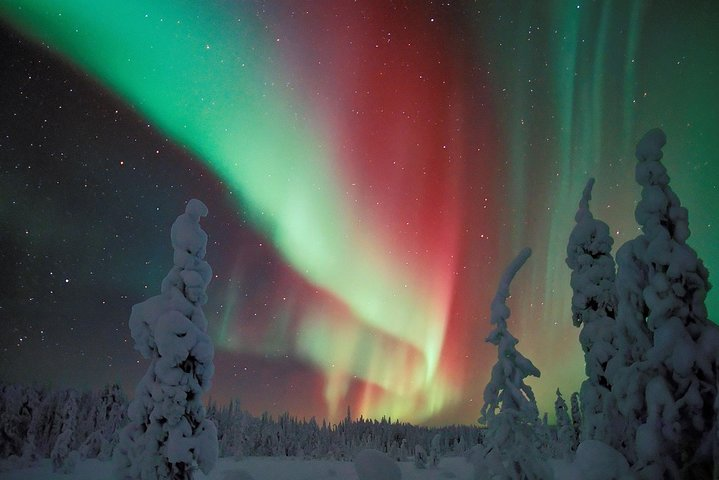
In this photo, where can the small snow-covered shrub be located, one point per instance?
(372, 464)
(420, 457)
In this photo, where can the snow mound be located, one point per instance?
(594, 460)
(237, 475)
(374, 465)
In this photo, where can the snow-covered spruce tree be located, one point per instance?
(576, 417)
(675, 438)
(15, 419)
(420, 457)
(108, 415)
(111, 414)
(63, 457)
(435, 451)
(594, 309)
(627, 369)
(566, 439)
(168, 436)
(510, 408)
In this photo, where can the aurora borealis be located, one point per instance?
(370, 168)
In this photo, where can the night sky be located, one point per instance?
(370, 168)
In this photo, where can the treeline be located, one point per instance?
(241, 434)
(65, 425)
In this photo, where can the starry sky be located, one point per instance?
(370, 168)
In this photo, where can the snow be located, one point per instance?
(256, 468)
(594, 461)
(372, 464)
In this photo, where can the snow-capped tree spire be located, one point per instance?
(584, 214)
(594, 306)
(507, 390)
(168, 436)
(676, 435)
(510, 409)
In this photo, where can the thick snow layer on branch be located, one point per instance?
(665, 388)
(594, 306)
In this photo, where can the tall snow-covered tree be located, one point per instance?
(628, 369)
(168, 436)
(510, 408)
(594, 309)
(669, 284)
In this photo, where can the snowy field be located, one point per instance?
(255, 468)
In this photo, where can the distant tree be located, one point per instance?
(435, 451)
(510, 408)
(64, 458)
(168, 436)
(403, 449)
(35, 405)
(46, 422)
(420, 457)
(15, 419)
(107, 412)
(111, 418)
(565, 431)
(576, 417)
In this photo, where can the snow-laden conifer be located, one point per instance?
(16, 412)
(627, 369)
(566, 439)
(669, 284)
(63, 457)
(168, 436)
(510, 408)
(594, 308)
(576, 417)
(420, 457)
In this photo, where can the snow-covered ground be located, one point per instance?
(255, 468)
